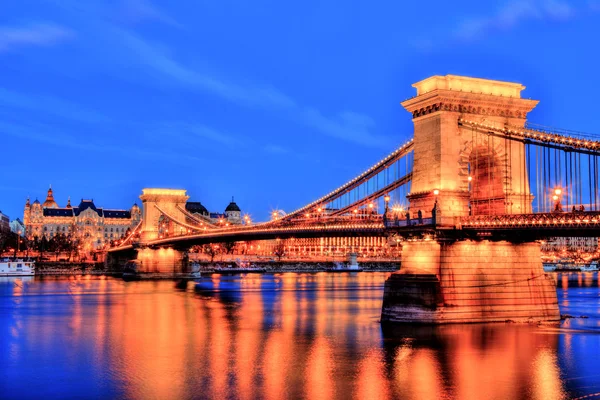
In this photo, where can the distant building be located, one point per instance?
(4, 222)
(17, 226)
(572, 244)
(232, 214)
(92, 225)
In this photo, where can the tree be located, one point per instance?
(43, 246)
(229, 247)
(58, 244)
(211, 249)
(279, 250)
(5, 240)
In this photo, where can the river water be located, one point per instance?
(275, 336)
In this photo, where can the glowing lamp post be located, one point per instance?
(557, 200)
(386, 199)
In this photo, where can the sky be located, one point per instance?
(273, 102)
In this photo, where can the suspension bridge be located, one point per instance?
(469, 196)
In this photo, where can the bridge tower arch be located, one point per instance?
(446, 152)
(155, 203)
(469, 279)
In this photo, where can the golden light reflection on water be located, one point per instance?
(289, 336)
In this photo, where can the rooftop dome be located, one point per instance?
(195, 207)
(50, 203)
(232, 206)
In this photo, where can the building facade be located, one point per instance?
(17, 226)
(93, 226)
(570, 244)
(232, 214)
(4, 222)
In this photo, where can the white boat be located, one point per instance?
(16, 267)
(591, 267)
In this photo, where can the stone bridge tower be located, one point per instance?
(475, 173)
(167, 200)
(456, 280)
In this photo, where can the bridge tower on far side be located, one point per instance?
(472, 173)
(167, 200)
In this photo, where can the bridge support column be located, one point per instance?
(470, 281)
(163, 260)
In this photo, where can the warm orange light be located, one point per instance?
(319, 209)
(557, 191)
(555, 197)
(386, 198)
(436, 192)
(470, 178)
(356, 211)
(307, 215)
(371, 205)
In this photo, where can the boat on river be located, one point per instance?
(17, 267)
(345, 267)
(571, 267)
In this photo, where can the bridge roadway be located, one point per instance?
(513, 227)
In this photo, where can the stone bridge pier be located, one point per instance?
(164, 260)
(461, 172)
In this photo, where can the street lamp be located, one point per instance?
(556, 198)
(386, 199)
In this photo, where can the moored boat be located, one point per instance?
(17, 267)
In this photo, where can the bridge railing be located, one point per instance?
(402, 223)
(555, 220)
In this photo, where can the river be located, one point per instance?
(275, 336)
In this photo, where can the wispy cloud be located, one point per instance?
(50, 105)
(151, 56)
(136, 11)
(41, 34)
(275, 149)
(194, 133)
(513, 13)
(46, 134)
(346, 125)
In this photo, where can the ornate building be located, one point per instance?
(93, 226)
(232, 213)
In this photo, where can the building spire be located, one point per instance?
(50, 203)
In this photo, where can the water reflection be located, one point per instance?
(276, 336)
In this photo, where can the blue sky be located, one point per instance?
(275, 103)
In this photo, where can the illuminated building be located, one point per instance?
(92, 225)
(17, 227)
(232, 212)
(4, 222)
(571, 244)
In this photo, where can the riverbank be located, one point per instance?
(52, 269)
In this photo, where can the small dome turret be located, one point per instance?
(232, 206)
(195, 207)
